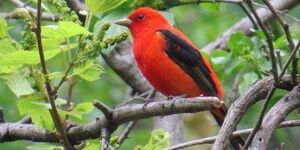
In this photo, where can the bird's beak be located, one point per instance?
(123, 22)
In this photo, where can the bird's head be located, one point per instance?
(143, 19)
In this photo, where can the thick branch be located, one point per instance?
(274, 117)
(210, 140)
(15, 131)
(257, 91)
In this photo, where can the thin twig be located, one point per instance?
(260, 119)
(235, 88)
(289, 38)
(1, 115)
(105, 138)
(25, 120)
(274, 71)
(54, 112)
(132, 124)
(282, 13)
(210, 140)
(126, 132)
(290, 59)
(275, 116)
(268, 38)
(244, 7)
(104, 108)
(70, 93)
(63, 79)
(279, 59)
(257, 126)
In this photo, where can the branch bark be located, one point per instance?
(257, 91)
(16, 131)
(274, 117)
(210, 140)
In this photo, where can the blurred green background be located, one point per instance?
(202, 24)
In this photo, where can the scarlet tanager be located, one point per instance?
(170, 61)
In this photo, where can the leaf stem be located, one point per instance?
(54, 112)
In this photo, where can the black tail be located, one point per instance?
(219, 114)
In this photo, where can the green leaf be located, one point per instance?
(159, 140)
(211, 7)
(92, 145)
(88, 71)
(102, 6)
(248, 79)
(9, 69)
(44, 147)
(219, 56)
(52, 43)
(3, 28)
(73, 114)
(21, 57)
(18, 84)
(240, 44)
(64, 30)
(281, 43)
(84, 108)
(6, 47)
(55, 75)
(40, 115)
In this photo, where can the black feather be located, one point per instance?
(190, 60)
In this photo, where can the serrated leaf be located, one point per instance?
(102, 6)
(3, 28)
(40, 115)
(88, 71)
(18, 84)
(159, 140)
(64, 30)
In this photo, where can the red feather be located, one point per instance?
(171, 62)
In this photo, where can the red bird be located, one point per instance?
(169, 60)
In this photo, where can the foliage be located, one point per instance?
(72, 48)
(159, 140)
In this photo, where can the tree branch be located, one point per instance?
(16, 131)
(257, 91)
(210, 140)
(274, 117)
(54, 112)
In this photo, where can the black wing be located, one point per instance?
(190, 60)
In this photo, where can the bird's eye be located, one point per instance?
(140, 17)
